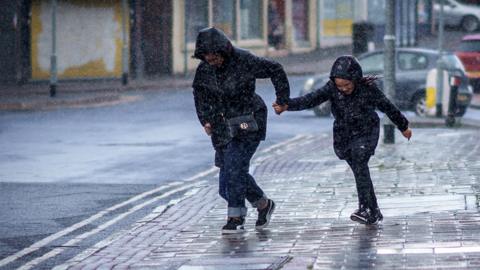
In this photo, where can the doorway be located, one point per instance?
(157, 36)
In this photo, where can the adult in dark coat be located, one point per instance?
(356, 128)
(224, 89)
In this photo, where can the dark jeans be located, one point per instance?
(235, 182)
(357, 159)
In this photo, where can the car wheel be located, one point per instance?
(470, 23)
(322, 109)
(420, 105)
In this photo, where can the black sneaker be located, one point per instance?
(367, 216)
(361, 215)
(234, 225)
(265, 215)
(376, 216)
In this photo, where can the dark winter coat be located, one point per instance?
(356, 122)
(229, 91)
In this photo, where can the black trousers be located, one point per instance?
(357, 159)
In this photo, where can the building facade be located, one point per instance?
(99, 39)
(262, 26)
(88, 39)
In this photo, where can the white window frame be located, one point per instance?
(254, 42)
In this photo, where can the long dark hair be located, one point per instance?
(368, 80)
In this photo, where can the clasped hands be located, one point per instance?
(279, 109)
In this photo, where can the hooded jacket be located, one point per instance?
(221, 93)
(356, 122)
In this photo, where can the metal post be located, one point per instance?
(317, 22)
(53, 57)
(389, 40)
(185, 40)
(139, 57)
(125, 45)
(440, 63)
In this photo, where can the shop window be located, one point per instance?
(224, 16)
(300, 20)
(376, 11)
(276, 24)
(338, 17)
(250, 19)
(196, 17)
(227, 15)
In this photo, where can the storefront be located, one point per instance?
(276, 24)
(300, 21)
(242, 20)
(261, 26)
(161, 37)
(407, 20)
(89, 39)
(336, 19)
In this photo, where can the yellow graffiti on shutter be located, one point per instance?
(337, 27)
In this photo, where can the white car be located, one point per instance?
(459, 13)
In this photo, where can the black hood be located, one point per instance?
(346, 67)
(212, 40)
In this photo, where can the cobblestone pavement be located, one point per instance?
(427, 189)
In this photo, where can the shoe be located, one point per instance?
(234, 225)
(265, 215)
(362, 215)
(367, 216)
(376, 216)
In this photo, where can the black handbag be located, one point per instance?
(241, 125)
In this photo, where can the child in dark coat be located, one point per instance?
(356, 128)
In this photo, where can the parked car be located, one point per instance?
(412, 66)
(460, 13)
(469, 53)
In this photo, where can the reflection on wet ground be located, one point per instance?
(410, 205)
(429, 199)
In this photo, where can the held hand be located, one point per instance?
(279, 109)
(208, 129)
(407, 133)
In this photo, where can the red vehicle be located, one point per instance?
(469, 53)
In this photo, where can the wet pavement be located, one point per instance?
(427, 188)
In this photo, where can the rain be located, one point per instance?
(129, 140)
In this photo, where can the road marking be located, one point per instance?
(202, 174)
(286, 142)
(112, 238)
(274, 149)
(105, 225)
(55, 236)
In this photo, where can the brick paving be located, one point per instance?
(428, 190)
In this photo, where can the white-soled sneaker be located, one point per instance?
(234, 225)
(265, 215)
